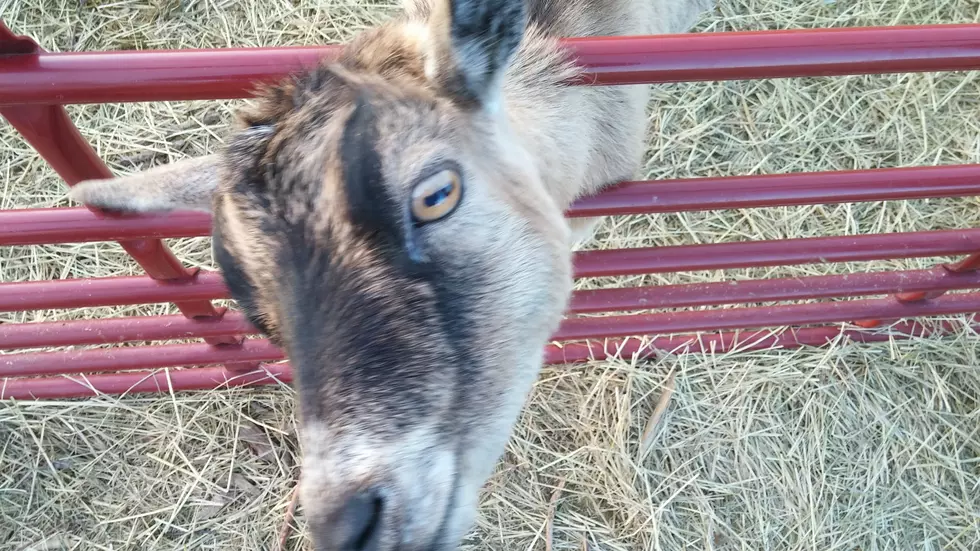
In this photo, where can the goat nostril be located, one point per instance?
(360, 521)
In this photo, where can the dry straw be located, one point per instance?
(843, 448)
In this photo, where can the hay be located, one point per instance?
(848, 447)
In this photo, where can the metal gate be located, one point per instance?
(34, 85)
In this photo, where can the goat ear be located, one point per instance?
(473, 42)
(188, 184)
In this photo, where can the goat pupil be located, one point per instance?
(439, 196)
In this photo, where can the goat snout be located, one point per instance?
(378, 490)
(356, 525)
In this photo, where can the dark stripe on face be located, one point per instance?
(454, 287)
(374, 211)
(240, 287)
(371, 207)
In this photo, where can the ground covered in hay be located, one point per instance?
(840, 448)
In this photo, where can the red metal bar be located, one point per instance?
(136, 357)
(781, 252)
(778, 54)
(115, 291)
(116, 330)
(142, 381)
(967, 265)
(768, 290)
(608, 262)
(577, 328)
(728, 341)
(52, 134)
(80, 225)
(678, 258)
(75, 225)
(779, 190)
(216, 377)
(49, 130)
(97, 77)
(595, 264)
(580, 328)
(108, 291)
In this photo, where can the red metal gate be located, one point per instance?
(35, 84)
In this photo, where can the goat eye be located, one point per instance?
(436, 196)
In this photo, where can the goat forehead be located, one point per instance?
(371, 149)
(350, 225)
(356, 175)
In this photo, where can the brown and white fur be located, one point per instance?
(414, 342)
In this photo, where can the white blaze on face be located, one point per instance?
(428, 482)
(414, 474)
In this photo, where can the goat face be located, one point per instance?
(378, 219)
(404, 254)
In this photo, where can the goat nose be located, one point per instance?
(358, 522)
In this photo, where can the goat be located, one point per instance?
(394, 220)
